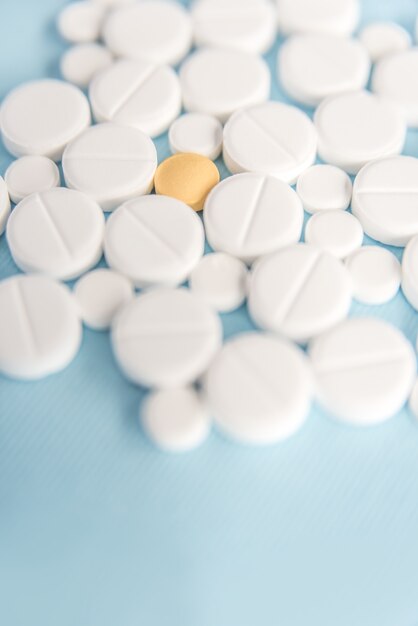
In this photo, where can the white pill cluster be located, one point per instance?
(296, 283)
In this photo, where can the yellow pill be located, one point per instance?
(188, 177)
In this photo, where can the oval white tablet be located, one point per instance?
(413, 400)
(100, 295)
(384, 38)
(198, 133)
(4, 205)
(176, 420)
(31, 174)
(42, 117)
(299, 292)
(58, 232)
(154, 240)
(270, 138)
(364, 370)
(250, 215)
(218, 82)
(385, 199)
(312, 67)
(392, 80)
(336, 232)
(156, 31)
(110, 163)
(221, 281)
(410, 272)
(40, 331)
(337, 17)
(81, 62)
(375, 274)
(259, 389)
(138, 94)
(358, 127)
(166, 338)
(248, 25)
(80, 22)
(324, 188)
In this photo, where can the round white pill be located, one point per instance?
(218, 82)
(385, 199)
(176, 420)
(259, 389)
(100, 295)
(42, 117)
(312, 67)
(4, 205)
(248, 25)
(156, 31)
(81, 62)
(154, 240)
(336, 232)
(357, 127)
(299, 292)
(384, 38)
(250, 215)
(410, 272)
(336, 17)
(324, 188)
(80, 22)
(413, 400)
(221, 281)
(166, 338)
(392, 80)
(198, 133)
(375, 273)
(58, 232)
(364, 370)
(270, 138)
(40, 331)
(138, 94)
(111, 163)
(31, 174)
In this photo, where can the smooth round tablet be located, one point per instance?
(4, 205)
(413, 400)
(42, 117)
(40, 331)
(176, 420)
(299, 292)
(156, 31)
(259, 389)
(138, 94)
(410, 272)
(248, 25)
(324, 188)
(110, 163)
(154, 240)
(384, 38)
(385, 199)
(31, 174)
(221, 281)
(313, 67)
(357, 127)
(220, 81)
(336, 17)
(166, 338)
(198, 133)
(100, 295)
(58, 232)
(392, 80)
(81, 62)
(364, 369)
(80, 22)
(187, 177)
(250, 215)
(375, 274)
(336, 232)
(270, 138)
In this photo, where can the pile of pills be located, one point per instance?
(286, 233)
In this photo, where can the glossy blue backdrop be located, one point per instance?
(97, 528)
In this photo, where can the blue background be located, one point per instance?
(97, 528)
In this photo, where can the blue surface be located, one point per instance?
(99, 529)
